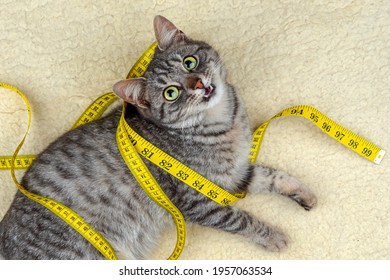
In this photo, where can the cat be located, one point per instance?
(185, 106)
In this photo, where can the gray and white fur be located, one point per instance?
(201, 121)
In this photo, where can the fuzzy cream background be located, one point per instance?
(333, 55)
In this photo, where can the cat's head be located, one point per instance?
(184, 80)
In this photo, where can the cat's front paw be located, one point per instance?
(276, 241)
(297, 191)
(307, 200)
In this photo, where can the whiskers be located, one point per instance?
(217, 66)
(190, 113)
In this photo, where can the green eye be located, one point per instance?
(190, 63)
(171, 93)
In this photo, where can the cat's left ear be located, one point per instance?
(132, 91)
(166, 33)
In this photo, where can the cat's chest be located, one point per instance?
(232, 146)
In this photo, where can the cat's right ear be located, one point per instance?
(166, 33)
(132, 91)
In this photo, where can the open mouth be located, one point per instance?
(208, 92)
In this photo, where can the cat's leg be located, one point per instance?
(265, 179)
(237, 221)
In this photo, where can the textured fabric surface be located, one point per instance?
(333, 55)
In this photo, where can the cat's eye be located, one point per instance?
(190, 63)
(171, 93)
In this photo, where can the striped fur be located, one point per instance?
(206, 127)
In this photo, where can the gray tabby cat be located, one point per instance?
(183, 105)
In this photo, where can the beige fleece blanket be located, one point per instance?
(333, 55)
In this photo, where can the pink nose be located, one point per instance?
(199, 84)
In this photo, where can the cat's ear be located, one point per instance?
(166, 33)
(132, 91)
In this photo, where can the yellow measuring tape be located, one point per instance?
(341, 134)
(131, 145)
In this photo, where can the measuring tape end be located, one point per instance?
(379, 156)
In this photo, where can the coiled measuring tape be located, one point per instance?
(130, 156)
(62, 211)
(127, 140)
